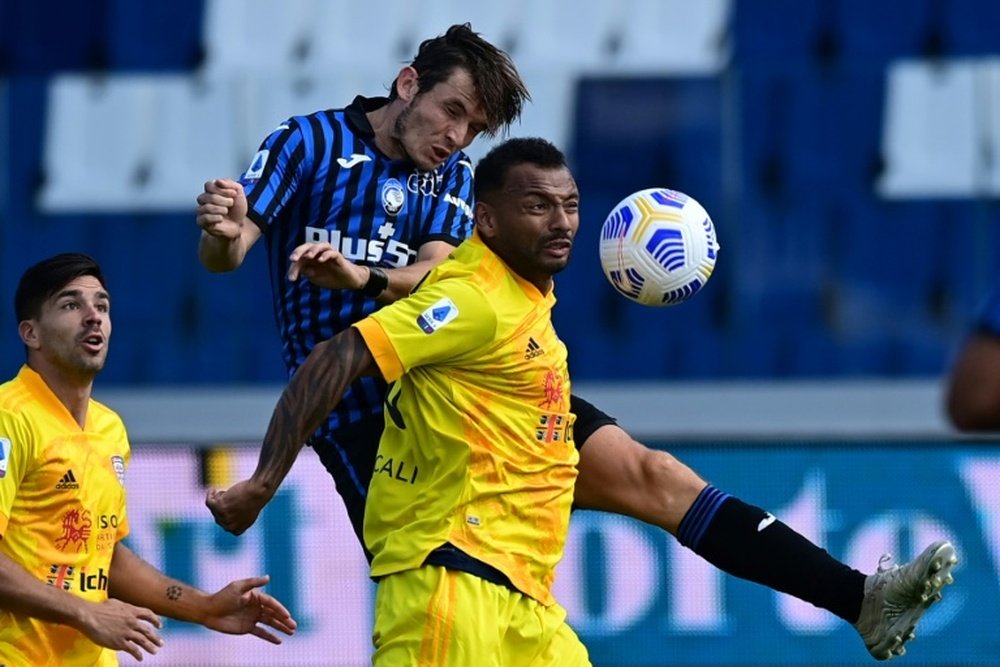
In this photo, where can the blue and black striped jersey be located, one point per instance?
(320, 178)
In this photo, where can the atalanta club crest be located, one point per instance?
(393, 197)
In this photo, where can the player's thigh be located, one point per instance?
(435, 617)
(538, 636)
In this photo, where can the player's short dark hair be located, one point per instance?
(500, 87)
(40, 281)
(491, 171)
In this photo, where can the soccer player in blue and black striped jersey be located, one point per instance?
(383, 188)
(362, 202)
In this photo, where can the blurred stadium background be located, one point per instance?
(848, 151)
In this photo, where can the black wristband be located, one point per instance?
(377, 282)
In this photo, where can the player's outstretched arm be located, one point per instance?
(325, 266)
(239, 608)
(113, 624)
(620, 475)
(973, 394)
(313, 392)
(226, 232)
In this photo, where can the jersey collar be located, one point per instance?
(357, 109)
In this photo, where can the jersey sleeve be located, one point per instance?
(988, 319)
(123, 526)
(17, 451)
(450, 218)
(589, 418)
(276, 171)
(443, 323)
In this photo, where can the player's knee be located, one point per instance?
(665, 472)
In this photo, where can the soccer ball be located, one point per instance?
(658, 247)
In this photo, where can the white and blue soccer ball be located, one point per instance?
(658, 247)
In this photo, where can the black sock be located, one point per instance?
(747, 542)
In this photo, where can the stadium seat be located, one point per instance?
(195, 139)
(499, 22)
(674, 37)
(754, 41)
(970, 259)
(923, 353)
(258, 35)
(6, 31)
(932, 130)
(868, 355)
(969, 27)
(379, 36)
(991, 88)
(561, 36)
(893, 254)
(38, 45)
(99, 142)
(872, 34)
(151, 37)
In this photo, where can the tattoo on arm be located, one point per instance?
(310, 396)
(173, 592)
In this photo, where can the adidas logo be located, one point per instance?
(68, 481)
(533, 350)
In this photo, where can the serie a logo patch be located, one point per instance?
(438, 315)
(4, 457)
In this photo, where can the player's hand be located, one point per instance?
(236, 508)
(222, 209)
(123, 627)
(324, 266)
(240, 608)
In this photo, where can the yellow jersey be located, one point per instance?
(62, 510)
(478, 448)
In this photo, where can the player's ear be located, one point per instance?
(29, 333)
(407, 84)
(485, 219)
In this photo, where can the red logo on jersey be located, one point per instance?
(61, 576)
(553, 388)
(551, 428)
(76, 526)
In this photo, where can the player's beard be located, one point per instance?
(399, 129)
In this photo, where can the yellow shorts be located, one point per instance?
(435, 617)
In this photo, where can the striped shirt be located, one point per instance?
(320, 177)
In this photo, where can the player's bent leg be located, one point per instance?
(618, 474)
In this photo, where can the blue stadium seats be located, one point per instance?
(872, 34)
(40, 43)
(818, 274)
(969, 27)
(138, 41)
(755, 26)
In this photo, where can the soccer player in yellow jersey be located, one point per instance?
(70, 592)
(469, 504)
